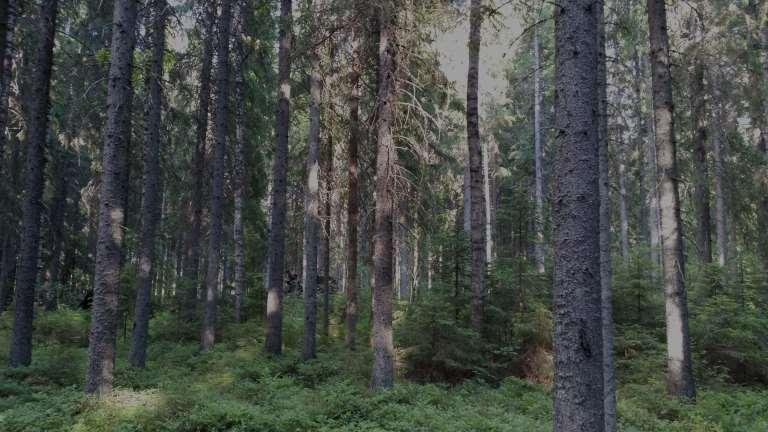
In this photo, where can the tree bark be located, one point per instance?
(103, 335)
(276, 263)
(383, 373)
(680, 374)
(701, 178)
(191, 271)
(9, 16)
(150, 205)
(623, 212)
(312, 197)
(37, 134)
(538, 157)
(221, 125)
(56, 230)
(240, 158)
(476, 170)
(606, 268)
(324, 251)
(718, 156)
(578, 349)
(353, 207)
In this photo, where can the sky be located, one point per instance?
(494, 52)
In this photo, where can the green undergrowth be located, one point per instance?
(236, 387)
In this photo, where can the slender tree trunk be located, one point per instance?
(104, 315)
(325, 242)
(312, 199)
(276, 263)
(191, 271)
(8, 269)
(701, 177)
(221, 124)
(37, 133)
(606, 270)
(404, 255)
(476, 170)
(240, 158)
(721, 223)
(487, 200)
(56, 222)
(353, 209)
(680, 373)
(623, 212)
(538, 156)
(579, 401)
(383, 373)
(150, 204)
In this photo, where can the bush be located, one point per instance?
(63, 326)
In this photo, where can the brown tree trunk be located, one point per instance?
(353, 208)
(324, 251)
(312, 197)
(383, 373)
(476, 170)
(701, 177)
(578, 348)
(103, 336)
(221, 124)
(191, 271)
(276, 263)
(150, 205)
(679, 373)
(37, 133)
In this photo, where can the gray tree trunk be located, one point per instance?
(56, 228)
(312, 197)
(150, 204)
(8, 16)
(324, 249)
(37, 134)
(623, 212)
(538, 156)
(383, 373)
(606, 270)
(578, 342)
(276, 263)
(221, 126)
(191, 271)
(104, 312)
(680, 372)
(718, 156)
(475, 148)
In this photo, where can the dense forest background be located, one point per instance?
(245, 215)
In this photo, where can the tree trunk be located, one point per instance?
(276, 264)
(221, 124)
(191, 271)
(718, 156)
(383, 373)
(240, 158)
(538, 156)
(8, 269)
(103, 336)
(623, 212)
(312, 198)
(701, 177)
(353, 207)
(325, 243)
(8, 17)
(606, 270)
(56, 226)
(680, 373)
(476, 170)
(150, 205)
(487, 201)
(37, 133)
(404, 255)
(578, 349)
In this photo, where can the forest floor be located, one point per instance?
(235, 387)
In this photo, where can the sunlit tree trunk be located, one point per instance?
(150, 205)
(103, 336)
(276, 263)
(579, 403)
(538, 156)
(37, 134)
(680, 372)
